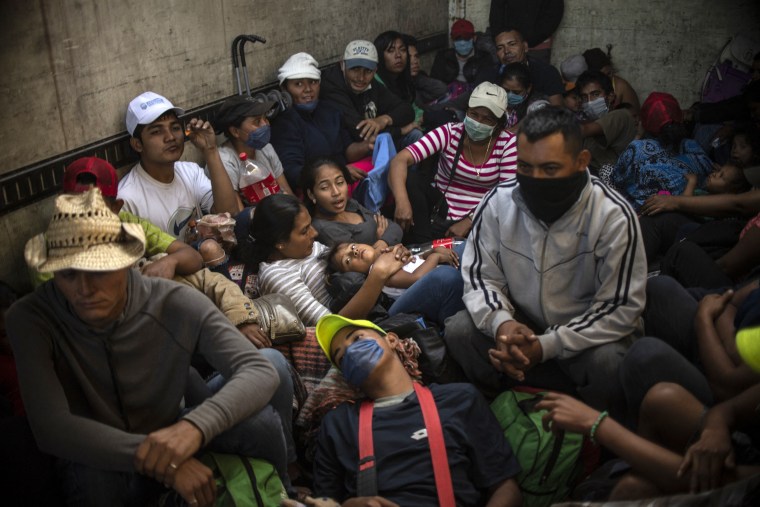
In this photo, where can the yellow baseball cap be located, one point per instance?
(748, 346)
(329, 325)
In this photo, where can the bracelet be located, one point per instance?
(595, 426)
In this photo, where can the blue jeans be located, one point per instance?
(266, 435)
(412, 137)
(437, 295)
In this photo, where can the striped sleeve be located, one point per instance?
(486, 294)
(302, 280)
(432, 142)
(471, 182)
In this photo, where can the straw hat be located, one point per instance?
(85, 234)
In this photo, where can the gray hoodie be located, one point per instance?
(93, 395)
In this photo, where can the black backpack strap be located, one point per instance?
(252, 476)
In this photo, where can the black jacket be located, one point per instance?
(355, 107)
(446, 66)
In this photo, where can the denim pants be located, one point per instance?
(437, 295)
(266, 435)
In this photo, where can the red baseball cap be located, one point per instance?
(462, 29)
(658, 110)
(105, 175)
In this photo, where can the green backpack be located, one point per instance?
(244, 482)
(550, 462)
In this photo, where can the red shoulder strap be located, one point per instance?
(366, 478)
(437, 446)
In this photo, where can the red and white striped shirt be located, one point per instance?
(470, 182)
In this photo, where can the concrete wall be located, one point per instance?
(69, 67)
(658, 45)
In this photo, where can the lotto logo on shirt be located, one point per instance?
(420, 434)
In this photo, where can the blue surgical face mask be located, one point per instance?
(514, 99)
(476, 130)
(259, 137)
(360, 359)
(308, 106)
(463, 47)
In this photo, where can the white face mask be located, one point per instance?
(596, 108)
(477, 131)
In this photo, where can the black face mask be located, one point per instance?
(549, 198)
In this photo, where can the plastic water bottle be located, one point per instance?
(256, 181)
(426, 247)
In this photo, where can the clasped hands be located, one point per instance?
(517, 350)
(166, 455)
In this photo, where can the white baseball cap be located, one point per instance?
(360, 53)
(490, 96)
(299, 66)
(146, 108)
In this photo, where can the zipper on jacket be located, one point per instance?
(541, 277)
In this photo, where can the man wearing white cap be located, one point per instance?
(476, 467)
(311, 128)
(163, 189)
(103, 358)
(368, 107)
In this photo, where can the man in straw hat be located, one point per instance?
(103, 358)
(169, 257)
(479, 459)
(178, 258)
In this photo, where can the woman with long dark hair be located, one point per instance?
(394, 71)
(515, 79)
(338, 218)
(290, 262)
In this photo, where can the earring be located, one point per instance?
(314, 200)
(279, 247)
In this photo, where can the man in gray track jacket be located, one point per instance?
(554, 271)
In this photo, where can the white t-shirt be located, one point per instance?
(168, 205)
(265, 157)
